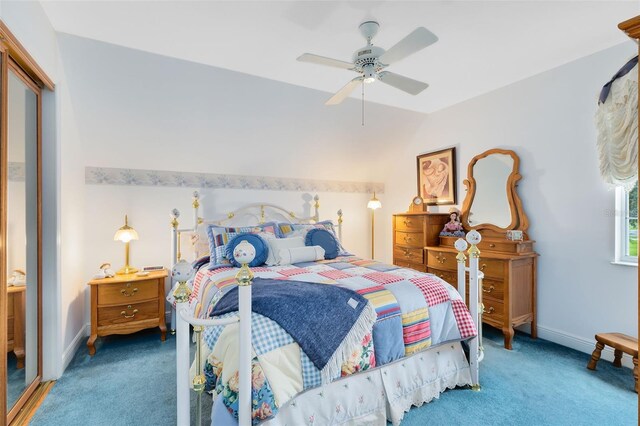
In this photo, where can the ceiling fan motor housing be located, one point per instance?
(365, 61)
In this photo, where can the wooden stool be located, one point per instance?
(620, 343)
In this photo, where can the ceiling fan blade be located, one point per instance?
(315, 59)
(403, 83)
(417, 40)
(343, 93)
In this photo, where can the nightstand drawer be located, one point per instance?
(127, 292)
(411, 239)
(406, 254)
(113, 315)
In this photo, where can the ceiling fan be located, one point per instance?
(370, 61)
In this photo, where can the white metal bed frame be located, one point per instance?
(181, 319)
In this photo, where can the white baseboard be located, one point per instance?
(580, 344)
(71, 350)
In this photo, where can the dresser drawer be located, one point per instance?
(442, 260)
(492, 267)
(449, 276)
(416, 266)
(411, 239)
(409, 223)
(493, 289)
(127, 292)
(493, 309)
(406, 254)
(112, 315)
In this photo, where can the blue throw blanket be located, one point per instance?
(326, 321)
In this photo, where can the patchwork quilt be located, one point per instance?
(413, 310)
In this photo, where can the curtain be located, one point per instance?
(617, 126)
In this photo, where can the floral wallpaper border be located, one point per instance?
(138, 177)
(15, 171)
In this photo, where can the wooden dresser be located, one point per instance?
(509, 285)
(412, 232)
(125, 304)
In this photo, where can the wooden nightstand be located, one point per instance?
(125, 304)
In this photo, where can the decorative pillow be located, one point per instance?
(298, 229)
(200, 262)
(277, 244)
(324, 239)
(300, 254)
(219, 236)
(261, 246)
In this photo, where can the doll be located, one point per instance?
(453, 228)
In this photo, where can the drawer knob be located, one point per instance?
(407, 239)
(125, 293)
(482, 268)
(441, 259)
(492, 245)
(490, 310)
(407, 222)
(133, 314)
(491, 288)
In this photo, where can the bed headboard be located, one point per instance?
(249, 214)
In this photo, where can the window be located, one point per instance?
(627, 225)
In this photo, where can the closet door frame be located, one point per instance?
(15, 58)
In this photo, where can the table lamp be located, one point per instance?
(373, 204)
(126, 234)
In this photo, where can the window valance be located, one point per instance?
(617, 126)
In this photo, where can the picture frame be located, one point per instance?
(437, 177)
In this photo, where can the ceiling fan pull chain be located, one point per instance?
(363, 103)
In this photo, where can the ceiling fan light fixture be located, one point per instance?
(369, 73)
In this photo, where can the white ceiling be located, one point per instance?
(482, 46)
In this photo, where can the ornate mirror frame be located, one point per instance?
(519, 220)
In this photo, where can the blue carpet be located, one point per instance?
(130, 381)
(15, 379)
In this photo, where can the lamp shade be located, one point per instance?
(374, 203)
(125, 233)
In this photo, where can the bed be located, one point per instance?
(339, 340)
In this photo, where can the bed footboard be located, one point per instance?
(476, 351)
(183, 320)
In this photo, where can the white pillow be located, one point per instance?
(300, 254)
(277, 244)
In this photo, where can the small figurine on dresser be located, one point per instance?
(453, 228)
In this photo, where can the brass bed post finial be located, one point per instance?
(182, 272)
(244, 253)
(316, 206)
(196, 200)
(175, 214)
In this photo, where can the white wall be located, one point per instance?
(548, 121)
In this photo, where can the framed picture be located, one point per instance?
(437, 177)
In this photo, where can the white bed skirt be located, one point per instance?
(375, 396)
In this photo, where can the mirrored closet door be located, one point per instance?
(21, 233)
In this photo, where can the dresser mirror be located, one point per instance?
(492, 203)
